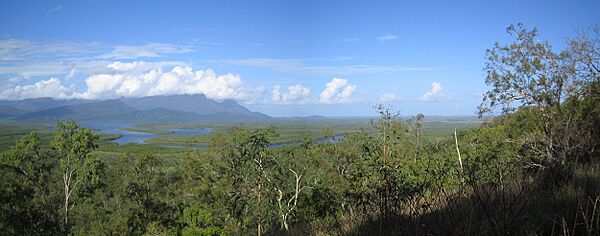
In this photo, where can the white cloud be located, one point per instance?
(180, 80)
(45, 88)
(72, 73)
(16, 50)
(276, 94)
(388, 97)
(337, 91)
(125, 66)
(141, 66)
(296, 94)
(435, 94)
(24, 50)
(16, 80)
(48, 69)
(62, 58)
(147, 50)
(126, 81)
(315, 67)
(387, 37)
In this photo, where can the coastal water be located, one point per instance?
(128, 136)
(134, 136)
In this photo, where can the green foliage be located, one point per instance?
(528, 74)
(71, 145)
(26, 205)
(200, 222)
(72, 142)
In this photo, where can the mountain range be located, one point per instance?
(170, 108)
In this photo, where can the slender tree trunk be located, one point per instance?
(462, 175)
(66, 192)
(259, 216)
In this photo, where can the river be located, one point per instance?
(128, 136)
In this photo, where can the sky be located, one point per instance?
(282, 58)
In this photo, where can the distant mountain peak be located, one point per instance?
(163, 108)
(195, 103)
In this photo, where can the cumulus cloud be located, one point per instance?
(435, 94)
(126, 81)
(296, 94)
(45, 88)
(337, 91)
(180, 80)
(387, 37)
(388, 97)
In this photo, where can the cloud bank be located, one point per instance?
(45, 88)
(143, 78)
(134, 79)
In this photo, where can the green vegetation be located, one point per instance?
(296, 131)
(9, 132)
(109, 137)
(531, 170)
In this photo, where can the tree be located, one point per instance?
(27, 206)
(584, 109)
(72, 145)
(391, 130)
(419, 122)
(147, 188)
(290, 180)
(585, 50)
(528, 73)
(249, 161)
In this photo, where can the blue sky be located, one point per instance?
(283, 58)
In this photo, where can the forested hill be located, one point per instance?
(173, 108)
